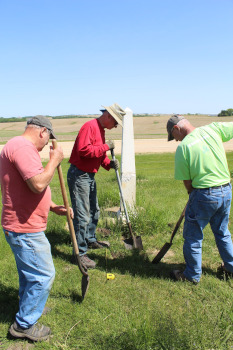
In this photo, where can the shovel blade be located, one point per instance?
(85, 285)
(135, 243)
(161, 253)
(85, 277)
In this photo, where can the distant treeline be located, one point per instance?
(8, 120)
(72, 116)
(23, 119)
(145, 115)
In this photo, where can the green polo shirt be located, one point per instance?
(201, 157)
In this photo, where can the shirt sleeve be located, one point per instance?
(27, 161)
(181, 165)
(225, 130)
(87, 146)
(106, 163)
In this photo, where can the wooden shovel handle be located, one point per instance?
(178, 223)
(69, 219)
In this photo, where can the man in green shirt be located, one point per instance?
(200, 161)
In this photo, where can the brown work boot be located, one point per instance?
(87, 262)
(222, 273)
(37, 332)
(178, 275)
(98, 245)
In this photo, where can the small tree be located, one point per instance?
(226, 113)
(223, 113)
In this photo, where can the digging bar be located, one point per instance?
(85, 277)
(167, 246)
(134, 241)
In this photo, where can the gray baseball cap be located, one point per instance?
(42, 121)
(175, 119)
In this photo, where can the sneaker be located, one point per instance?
(223, 273)
(99, 245)
(178, 275)
(87, 262)
(37, 332)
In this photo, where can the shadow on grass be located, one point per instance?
(58, 236)
(159, 334)
(8, 303)
(125, 261)
(138, 264)
(74, 296)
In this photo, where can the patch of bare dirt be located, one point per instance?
(20, 346)
(154, 252)
(104, 232)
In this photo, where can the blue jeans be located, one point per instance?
(83, 194)
(207, 206)
(36, 274)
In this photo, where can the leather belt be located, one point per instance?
(221, 186)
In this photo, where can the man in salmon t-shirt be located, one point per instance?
(88, 154)
(26, 199)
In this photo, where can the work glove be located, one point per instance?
(111, 144)
(114, 164)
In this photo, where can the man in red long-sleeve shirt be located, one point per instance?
(88, 154)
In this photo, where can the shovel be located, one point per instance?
(134, 241)
(167, 246)
(85, 278)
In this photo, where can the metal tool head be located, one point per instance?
(85, 277)
(161, 253)
(85, 285)
(135, 243)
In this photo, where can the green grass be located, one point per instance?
(142, 308)
(9, 133)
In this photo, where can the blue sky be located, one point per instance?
(155, 56)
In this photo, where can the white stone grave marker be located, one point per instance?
(128, 170)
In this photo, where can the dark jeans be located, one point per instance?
(83, 194)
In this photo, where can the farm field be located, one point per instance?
(146, 127)
(149, 133)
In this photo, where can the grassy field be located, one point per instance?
(152, 127)
(142, 308)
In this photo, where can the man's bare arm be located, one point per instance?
(188, 185)
(38, 183)
(60, 209)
